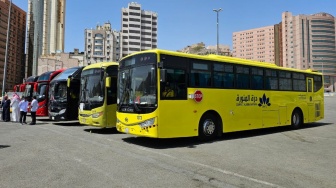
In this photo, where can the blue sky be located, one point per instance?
(185, 22)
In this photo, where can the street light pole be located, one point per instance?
(322, 65)
(217, 11)
(6, 53)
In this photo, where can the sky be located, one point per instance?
(185, 22)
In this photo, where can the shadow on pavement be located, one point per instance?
(4, 146)
(192, 142)
(102, 131)
(66, 123)
(42, 119)
(164, 143)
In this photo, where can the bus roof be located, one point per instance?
(99, 65)
(68, 72)
(32, 79)
(48, 76)
(213, 57)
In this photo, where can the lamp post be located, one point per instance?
(322, 65)
(217, 11)
(6, 53)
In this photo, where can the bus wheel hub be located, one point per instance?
(208, 127)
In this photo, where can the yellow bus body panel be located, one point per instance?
(107, 117)
(238, 109)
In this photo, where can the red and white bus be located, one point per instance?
(19, 87)
(41, 88)
(29, 87)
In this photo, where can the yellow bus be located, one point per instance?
(98, 95)
(165, 94)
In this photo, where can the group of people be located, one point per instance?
(19, 109)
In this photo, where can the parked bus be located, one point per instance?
(42, 89)
(164, 94)
(19, 88)
(98, 95)
(64, 95)
(29, 87)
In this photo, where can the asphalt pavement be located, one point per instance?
(51, 154)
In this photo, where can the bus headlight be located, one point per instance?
(147, 123)
(61, 111)
(96, 115)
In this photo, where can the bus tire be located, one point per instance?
(297, 119)
(208, 127)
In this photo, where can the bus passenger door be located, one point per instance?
(310, 100)
(175, 108)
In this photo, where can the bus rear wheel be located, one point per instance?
(297, 119)
(208, 127)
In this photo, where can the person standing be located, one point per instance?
(15, 107)
(23, 105)
(2, 111)
(33, 109)
(6, 109)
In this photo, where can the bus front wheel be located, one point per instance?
(297, 119)
(208, 127)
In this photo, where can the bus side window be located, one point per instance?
(175, 87)
(181, 86)
(257, 82)
(200, 78)
(310, 85)
(229, 80)
(218, 79)
(167, 88)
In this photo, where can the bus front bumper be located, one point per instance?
(60, 116)
(150, 131)
(85, 120)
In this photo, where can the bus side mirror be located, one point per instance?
(163, 75)
(68, 82)
(35, 87)
(108, 82)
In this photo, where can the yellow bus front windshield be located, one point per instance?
(97, 104)
(92, 93)
(138, 85)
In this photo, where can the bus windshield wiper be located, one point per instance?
(137, 109)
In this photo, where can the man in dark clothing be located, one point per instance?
(6, 109)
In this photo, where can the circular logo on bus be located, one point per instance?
(198, 96)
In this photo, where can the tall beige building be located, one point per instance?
(254, 44)
(45, 31)
(308, 41)
(101, 44)
(302, 42)
(139, 29)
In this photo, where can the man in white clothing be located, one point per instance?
(15, 107)
(23, 105)
(34, 106)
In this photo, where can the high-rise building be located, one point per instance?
(254, 44)
(302, 42)
(101, 44)
(45, 31)
(139, 29)
(308, 41)
(15, 50)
